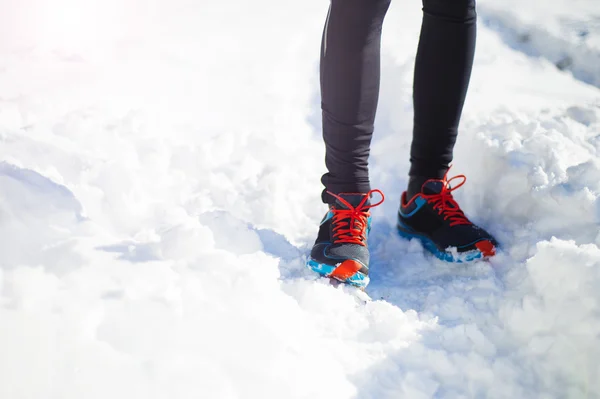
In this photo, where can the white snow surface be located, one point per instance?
(159, 193)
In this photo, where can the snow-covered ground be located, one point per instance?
(159, 191)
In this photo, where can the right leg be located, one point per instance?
(350, 52)
(350, 73)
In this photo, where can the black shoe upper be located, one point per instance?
(434, 213)
(342, 236)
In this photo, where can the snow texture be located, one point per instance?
(159, 193)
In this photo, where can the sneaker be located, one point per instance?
(340, 251)
(435, 218)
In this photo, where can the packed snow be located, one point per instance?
(159, 193)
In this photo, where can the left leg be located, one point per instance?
(442, 71)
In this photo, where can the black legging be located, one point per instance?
(350, 73)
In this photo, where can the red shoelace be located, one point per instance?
(445, 204)
(350, 225)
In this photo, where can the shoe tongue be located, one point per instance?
(435, 187)
(352, 199)
(432, 187)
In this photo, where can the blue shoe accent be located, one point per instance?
(357, 280)
(327, 216)
(417, 203)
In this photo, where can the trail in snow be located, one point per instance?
(566, 33)
(154, 219)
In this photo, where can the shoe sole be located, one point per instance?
(485, 248)
(346, 272)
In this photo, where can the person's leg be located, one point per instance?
(428, 212)
(350, 63)
(442, 72)
(350, 52)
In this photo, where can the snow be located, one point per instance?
(159, 191)
(566, 33)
